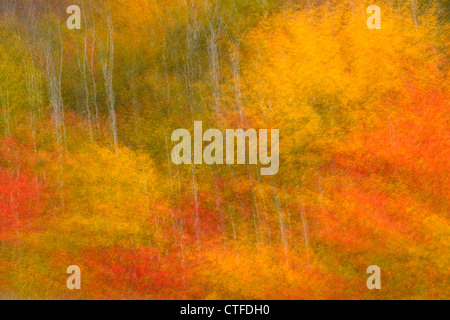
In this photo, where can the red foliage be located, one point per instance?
(132, 274)
(21, 195)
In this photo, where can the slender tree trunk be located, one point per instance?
(108, 72)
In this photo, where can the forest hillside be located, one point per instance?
(87, 179)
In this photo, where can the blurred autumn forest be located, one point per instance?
(86, 179)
